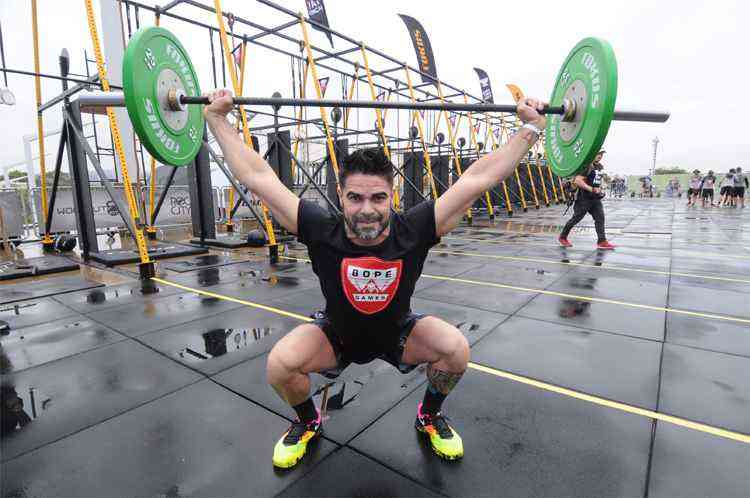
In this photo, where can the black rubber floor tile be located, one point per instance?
(39, 344)
(692, 464)
(606, 365)
(708, 387)
(606, 317)
(518, 441)
(66, 396)
(27, 313)
(200, 441)
(218, 342)
(141, 318)
(347, 474)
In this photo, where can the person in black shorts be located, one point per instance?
(707, 189)
(588, 200)
(740, 184)
(727, 188)
(368, 260)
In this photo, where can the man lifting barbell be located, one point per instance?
(368, 261)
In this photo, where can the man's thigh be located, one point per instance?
(305, 349)
(430, 340)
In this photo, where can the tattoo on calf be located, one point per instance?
(441, 381)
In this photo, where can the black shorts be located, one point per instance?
(726, 190)
(738, 191)
(708, 192)
(346, 355)
(692, 191)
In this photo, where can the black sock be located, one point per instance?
(433, 400)
(306, 411)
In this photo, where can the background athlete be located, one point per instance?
(588, 201)
(368, 261)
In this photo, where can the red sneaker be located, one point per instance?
(564, 242)
(605, 245)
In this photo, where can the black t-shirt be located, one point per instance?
(367, 288)
(593, 179)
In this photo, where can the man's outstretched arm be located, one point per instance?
(247, 165)
(489, 170)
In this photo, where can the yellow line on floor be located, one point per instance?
(573, 296)
(616, 231)
(589, 265)
(688, 424)
(234, 300)
(509, 376)
(591, 299)
(553, 243)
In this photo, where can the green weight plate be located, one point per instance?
(155, 62)
(589, 77)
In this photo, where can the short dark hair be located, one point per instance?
(370, 161)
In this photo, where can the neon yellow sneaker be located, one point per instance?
(292, 446)
(444, 440)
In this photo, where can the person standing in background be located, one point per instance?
(726, 186)
(694, 187)
(740, 184)
(707, 189)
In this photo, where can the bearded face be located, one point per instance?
(366, 203)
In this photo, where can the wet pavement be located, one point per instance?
(110, 392)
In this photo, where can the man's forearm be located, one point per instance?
(242, 160)
(499, 164)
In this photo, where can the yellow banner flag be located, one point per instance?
(515, 91)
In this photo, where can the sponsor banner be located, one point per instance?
(106, 214)
(242, 211)
(484, 83)
(316, 11)
(174, 211)
(13, 212)
(422, 47)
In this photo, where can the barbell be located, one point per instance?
(160, 86)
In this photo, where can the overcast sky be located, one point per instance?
(687, 56)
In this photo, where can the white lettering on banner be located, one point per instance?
(314, 7)
(423, 59)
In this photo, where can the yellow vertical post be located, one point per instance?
(46, 239)
(541, 176)
(379, 122)
(531, 181)
(301, 109)
(243, 115)
(475, 143)
(452, 139)
(508, 206)
(350, 94)
(323, 115)
(551, 178)
(420, 128)
(116, 137)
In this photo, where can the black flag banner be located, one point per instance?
(422, 47)
(316, 9)
(484, 82)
